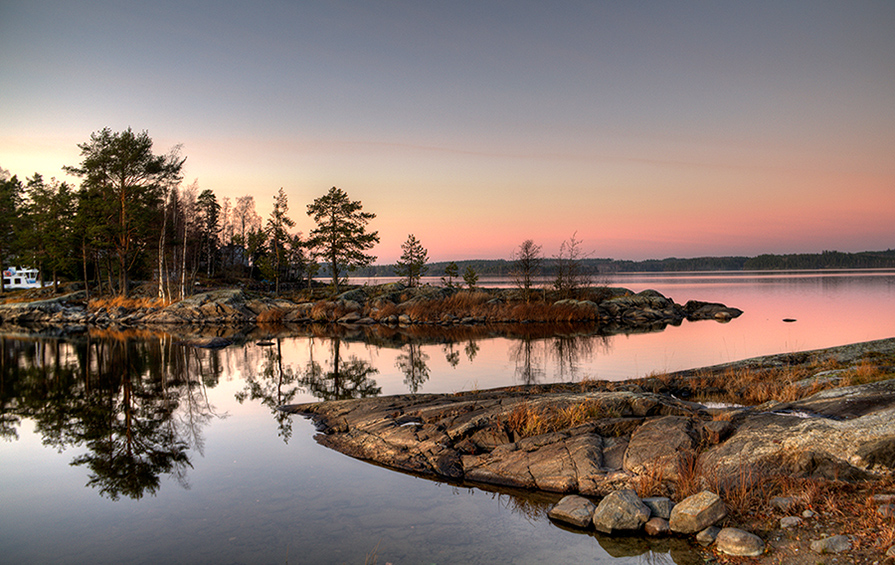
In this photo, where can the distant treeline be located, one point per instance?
(596, 267)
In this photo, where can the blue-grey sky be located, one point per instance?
(650, 129)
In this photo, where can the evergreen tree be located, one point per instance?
(130, 178)
(470, 277)
(341, 238)
(10, 210)
(209, 226)
(412, 264)
(278, 236)
(46, 234)
(451, 271)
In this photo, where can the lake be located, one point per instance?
(134, 447)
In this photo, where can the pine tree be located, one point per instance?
(341, 238)
(412, 264)
(278, 236)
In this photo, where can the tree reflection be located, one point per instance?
(529, 369)
(347, 379)
(133, 403)
(413, 363)
(276, 385)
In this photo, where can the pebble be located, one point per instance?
(834, 544)
(790, 522)
(808, 514)
(733, 541)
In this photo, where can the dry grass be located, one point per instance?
(651, 483)
(130, 303)
(481, 305)
(271, 316)
(526, 420)
(749, 386)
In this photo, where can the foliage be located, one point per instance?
(129, 178)
(412, 264)
(341, 238)
(451, 272)
(280, 241)
(470, 277)
(10, 219)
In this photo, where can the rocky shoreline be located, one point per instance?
(393, 305)
(639, 435)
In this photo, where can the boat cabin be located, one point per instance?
(16, 277)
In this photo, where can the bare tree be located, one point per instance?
(570, 276)
(526, 267)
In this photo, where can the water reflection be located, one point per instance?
(275, 385)
(345, 379)
(134, 406)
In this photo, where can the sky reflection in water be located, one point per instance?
(185, 457)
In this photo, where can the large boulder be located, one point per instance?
(619, 511)
(658, 444)
(573, 509)
(696, 513)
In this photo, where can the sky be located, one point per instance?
(644, 129)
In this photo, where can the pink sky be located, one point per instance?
(651, 131)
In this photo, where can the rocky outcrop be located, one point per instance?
(389, 305)
(494, 436)
(62, 310)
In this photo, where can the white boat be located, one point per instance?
(16, 277)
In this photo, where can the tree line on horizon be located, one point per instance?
(131, 219)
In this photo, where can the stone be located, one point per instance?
(657, 445)
(659, 506)
(620, 510)
(733, 541)
(573, 509)
(886, 510)
(808, 514)
(657, 527)
(784, 503)
(790, 522)
(716, 431)
(833, 544)
(697, 512)
(708, 536)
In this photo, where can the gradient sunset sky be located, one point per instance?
(652, 129)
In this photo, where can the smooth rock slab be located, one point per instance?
(696, 513)
(620, 510)
(733, 541)
(573, 509)
(834, 544)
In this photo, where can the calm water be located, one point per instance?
(136, 448)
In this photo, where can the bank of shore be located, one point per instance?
(806, 436)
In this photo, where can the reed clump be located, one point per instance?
(527, 420)
(130, 303)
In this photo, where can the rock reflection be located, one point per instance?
(533, 506)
